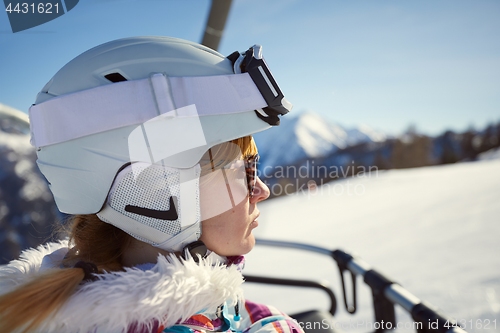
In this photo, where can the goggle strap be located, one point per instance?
(128, 103)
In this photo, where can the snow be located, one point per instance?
(434, 230)
(20, 143)
(492, 154)
(318, 137)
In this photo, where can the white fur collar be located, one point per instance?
(172, 290)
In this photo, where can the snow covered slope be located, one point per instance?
(435, 230)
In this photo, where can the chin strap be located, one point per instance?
(197, 250)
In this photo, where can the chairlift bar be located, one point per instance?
(393, 292)
(399, 295)
(294, 245)
(297, 283)
(356, 265)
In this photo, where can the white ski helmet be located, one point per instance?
(147, 101)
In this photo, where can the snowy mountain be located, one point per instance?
(13, 121)
(362, 134)
(434, 230)
(308, 135)
(27, 209)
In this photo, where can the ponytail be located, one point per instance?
(98, 247)
(26, 307)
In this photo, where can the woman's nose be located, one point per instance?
(261, 191)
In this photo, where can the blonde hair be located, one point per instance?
(102, 244)
(247, 146)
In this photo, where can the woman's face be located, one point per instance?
(229, 215)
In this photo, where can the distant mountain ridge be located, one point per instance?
(309, 135)
(324, 151)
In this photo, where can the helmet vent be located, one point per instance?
(115, 77)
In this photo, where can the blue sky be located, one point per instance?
(384, 63)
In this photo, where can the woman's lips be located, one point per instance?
(255, 222)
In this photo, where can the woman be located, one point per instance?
(146, 143)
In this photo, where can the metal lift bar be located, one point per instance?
(297, 283)
(420, 311)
